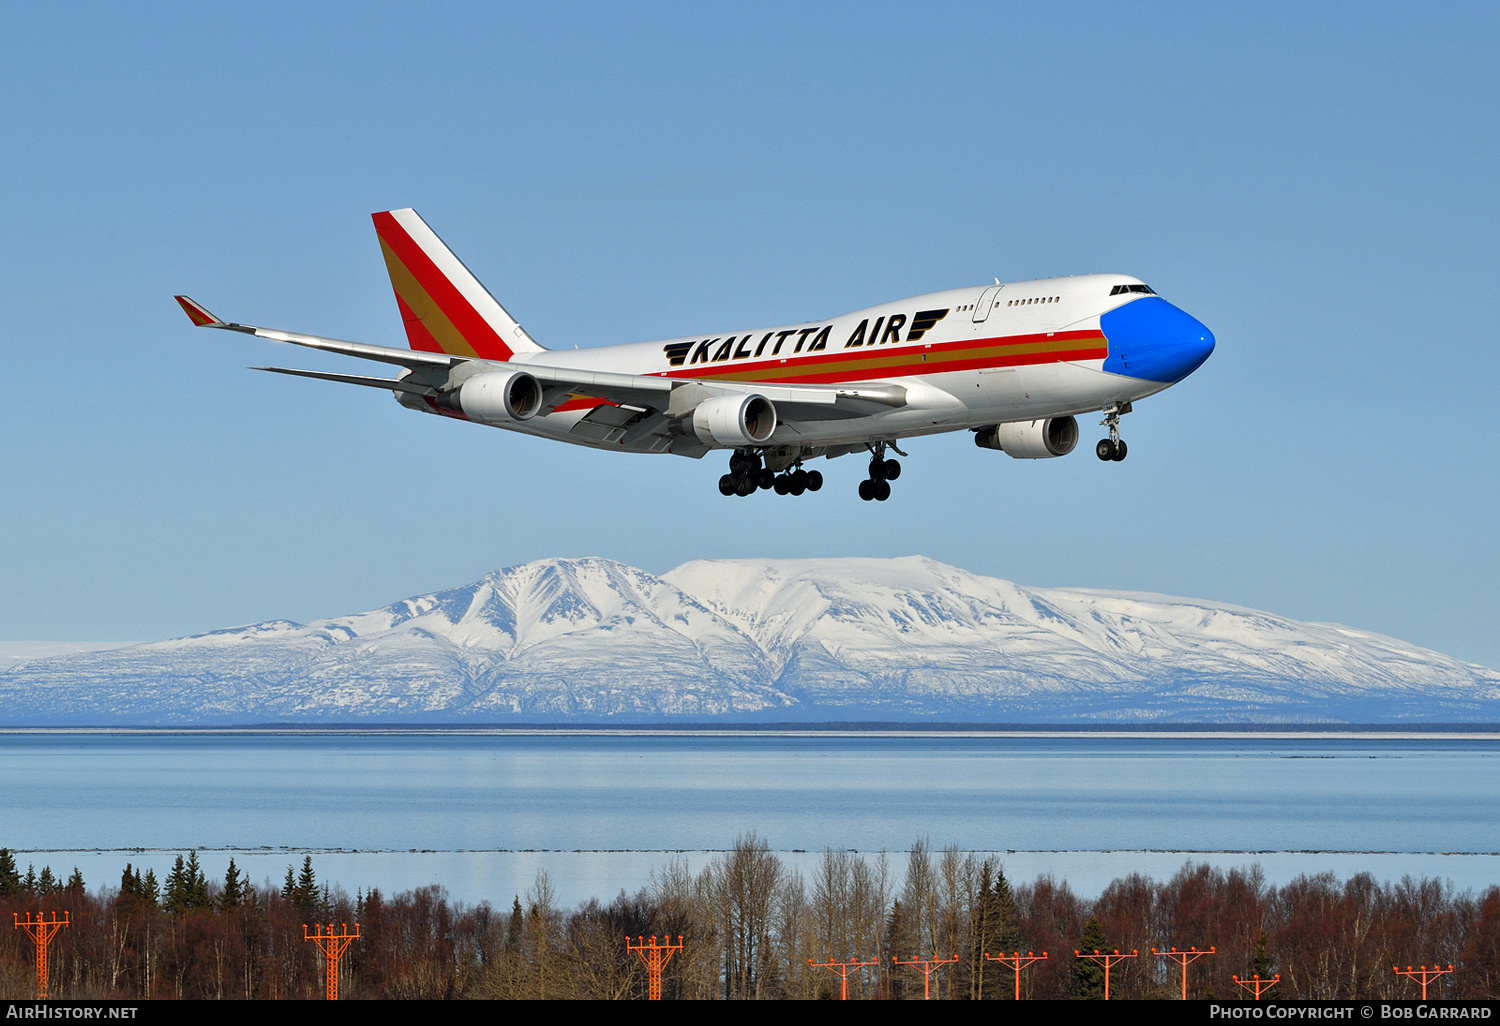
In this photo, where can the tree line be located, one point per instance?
(750, 926)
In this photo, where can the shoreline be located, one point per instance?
(1270, 732)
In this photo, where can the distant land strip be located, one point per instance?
(1273, 731)
(320, 850)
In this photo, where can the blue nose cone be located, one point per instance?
(1151, 339)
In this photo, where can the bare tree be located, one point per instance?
(742, 888)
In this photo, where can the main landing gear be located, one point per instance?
(1113, 447)
(795, 482)
(882, 472)
(746, 475)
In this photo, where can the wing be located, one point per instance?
(661, 398)
(401, 357)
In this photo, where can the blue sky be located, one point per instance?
(1318, 186)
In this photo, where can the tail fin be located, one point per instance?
(444, 307)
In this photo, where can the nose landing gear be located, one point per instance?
(1113, 447)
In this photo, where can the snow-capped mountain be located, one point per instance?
(822, 639)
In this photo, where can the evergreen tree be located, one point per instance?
(28, 886)
(175, 896)
(1088, 975)
(900, 942)
(289, 887)
(307, 880)
(10, 877)
(150, 890)
(996, 930)
(74, 886)
(517, 926)
(1261, 963)
(133, 886)
(195, 884)
(235, 887)
(305, 890)
(46, 883)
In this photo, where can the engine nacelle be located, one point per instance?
(500, 397)
(734, 420)
(1031, 439)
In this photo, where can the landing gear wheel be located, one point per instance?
(814, 480)
(747, 486)
(727, 485)
(798, 483)
(767, 478)
(743, 462)
(1113, 447)
(782, 485)
(882, 472)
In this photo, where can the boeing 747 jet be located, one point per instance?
(1015, 364)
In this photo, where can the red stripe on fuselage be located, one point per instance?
(906, 360)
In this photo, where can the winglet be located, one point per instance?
(197, 314)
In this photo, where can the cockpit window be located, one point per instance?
(1119, 290)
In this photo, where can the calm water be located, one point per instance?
(481, 813)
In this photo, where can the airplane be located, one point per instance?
(1013, 363)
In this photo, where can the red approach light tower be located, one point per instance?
(1182, 958)
(1016, 961)
(842, 970)
(41, 930)
(654, 956)
(1424, 975)
(1256, 984)
(1107, 959)
(929, 966)
(333, 945)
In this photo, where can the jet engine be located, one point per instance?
(1031, 439)
(498, 397)
(734, 420)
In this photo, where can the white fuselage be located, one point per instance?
(996, 353)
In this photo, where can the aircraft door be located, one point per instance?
(986, 303)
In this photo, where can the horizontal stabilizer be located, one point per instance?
(391, 384)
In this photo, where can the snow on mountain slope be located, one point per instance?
(13, 653)
(917, 631)
(595, 640)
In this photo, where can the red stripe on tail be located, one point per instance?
(475, 330)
